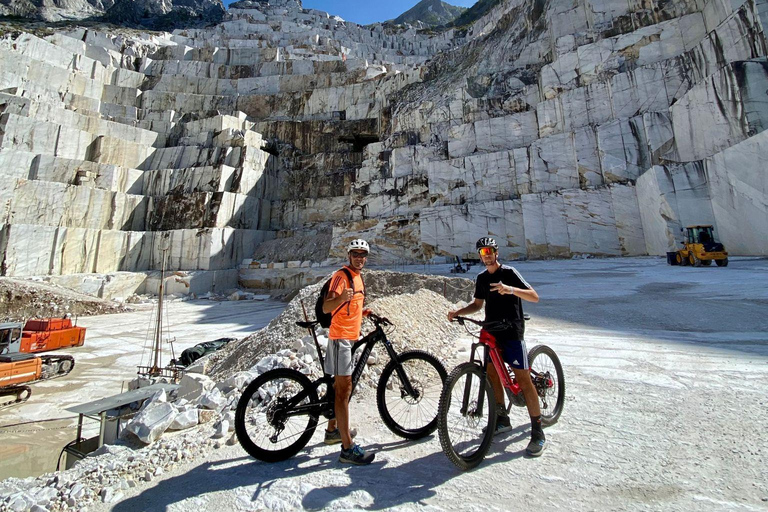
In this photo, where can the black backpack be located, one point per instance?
(320, 315)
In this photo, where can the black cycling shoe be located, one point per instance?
(502, 425)
(536, 447)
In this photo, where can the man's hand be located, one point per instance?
(502, 289)
(452, 315)
(347, 295)
(367, 312)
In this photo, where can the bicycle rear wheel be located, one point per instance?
(549, 380)
(264, 423)
(466, 428)
(408, 416)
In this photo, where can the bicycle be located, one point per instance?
(278, 412)
(467, 413)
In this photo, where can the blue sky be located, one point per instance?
(367, 11)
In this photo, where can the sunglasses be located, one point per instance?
(356, 254)
(486, 251)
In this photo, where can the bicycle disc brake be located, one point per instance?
(411, 399)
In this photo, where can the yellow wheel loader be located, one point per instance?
(699, 248)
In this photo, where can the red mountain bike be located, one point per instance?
(466, 418)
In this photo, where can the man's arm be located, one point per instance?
(333, 300)
(470, 308)
(528, 294)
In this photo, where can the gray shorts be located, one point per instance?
(338, 357)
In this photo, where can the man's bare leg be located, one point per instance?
(343, 391)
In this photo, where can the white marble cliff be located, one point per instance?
(561, 128)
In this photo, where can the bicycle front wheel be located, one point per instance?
(467, 417)
(411, 416)
(549, 381)
(266, 425)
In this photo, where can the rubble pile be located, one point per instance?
(21, 300)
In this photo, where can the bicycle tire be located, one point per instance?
(406, 416)
(551, 398)
(466, 438)
(261, 398)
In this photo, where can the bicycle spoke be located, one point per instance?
(266, 421)
(465, 429)
(548, 379)
(411, 415)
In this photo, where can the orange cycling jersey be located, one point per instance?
(348, 317)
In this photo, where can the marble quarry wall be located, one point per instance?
(543, 138)
(561, 128)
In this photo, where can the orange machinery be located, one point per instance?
(19, 367)
(17, 371)
(40, 335)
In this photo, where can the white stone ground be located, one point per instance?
(667, 399)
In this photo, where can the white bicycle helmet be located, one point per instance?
(358, 244)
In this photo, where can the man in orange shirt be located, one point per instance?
(345, 302)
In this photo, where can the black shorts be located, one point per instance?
(514, 353)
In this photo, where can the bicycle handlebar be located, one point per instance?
(378, 320)
(494, 325)
(490, 325)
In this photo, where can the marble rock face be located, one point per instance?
(561, 129)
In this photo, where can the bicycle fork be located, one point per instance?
(467, 399)
(408, 389)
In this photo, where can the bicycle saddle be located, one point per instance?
(307, 325)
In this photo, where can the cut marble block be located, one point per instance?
(60, 204)
(546, 229)
(204, 249)
(658, 211)
(27, 249)
(495, 134)
(108, 286)
(25, 134)
(672, 198)
(75, 250)
(197, 282)
(449, 230)
(272, 279)
(87, 174)
(15, 164)
(222, 178)
(109, 150)
(723, 110)
(553, 164)
(629, 226)
(738, 184)
(309, 210)
(591, 222)
(478, 178)
(623, 150)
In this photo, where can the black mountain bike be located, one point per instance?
(278, 412)
(467, 417)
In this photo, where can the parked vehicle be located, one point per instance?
(20, 367)
(699, 248)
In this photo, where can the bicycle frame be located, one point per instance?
(325, 407)
(490, 353)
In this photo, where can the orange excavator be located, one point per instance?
(20, 367)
